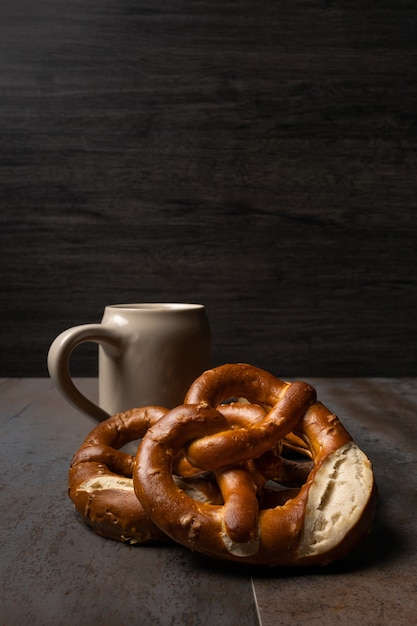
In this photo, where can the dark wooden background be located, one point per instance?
(256, 156)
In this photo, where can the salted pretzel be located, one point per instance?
(100, 479)
(315, 523)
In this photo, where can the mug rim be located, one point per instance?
(156, 306)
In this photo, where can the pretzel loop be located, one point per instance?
(239, 445)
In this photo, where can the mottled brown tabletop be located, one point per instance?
(55, 570)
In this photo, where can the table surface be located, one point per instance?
(55, 570)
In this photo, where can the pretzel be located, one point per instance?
(100, 479)
(314, 523)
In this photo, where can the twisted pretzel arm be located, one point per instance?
(241, 506)
(242, 444)
(284, 471)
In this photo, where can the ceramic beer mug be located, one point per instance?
(149, 354)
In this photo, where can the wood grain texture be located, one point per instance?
(256, 156)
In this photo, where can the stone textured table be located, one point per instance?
(55, 570)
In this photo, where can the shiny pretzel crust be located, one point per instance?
(100, 479)
(313, 526)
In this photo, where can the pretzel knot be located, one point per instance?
(319, 519)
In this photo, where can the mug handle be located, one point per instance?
(59, 357)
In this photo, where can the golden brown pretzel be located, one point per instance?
(100, 478)
(317, 523)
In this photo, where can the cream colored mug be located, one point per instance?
(149, 354)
